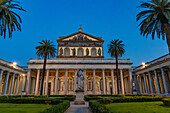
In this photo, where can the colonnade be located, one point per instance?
(155, 81)
(10, 83)
(66, 71)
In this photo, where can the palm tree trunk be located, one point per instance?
(167, 31)
(117, 74)
(44, 66)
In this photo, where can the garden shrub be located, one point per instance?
(130, 99)
(87, 97)
(37, 99)
(166, 101)
(29, 100)
(96, 107)
(60, 108)
(123, 98)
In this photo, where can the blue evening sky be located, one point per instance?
(109, 19)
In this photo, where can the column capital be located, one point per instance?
(144, 74)
(17, 74)
(2, 70)
(162, 69)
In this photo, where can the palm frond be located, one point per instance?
(116, 48)
(46, 48)
(9, 20)
(154, 18)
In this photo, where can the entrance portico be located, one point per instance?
(100, 76)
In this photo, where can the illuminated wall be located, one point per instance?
(80, 45)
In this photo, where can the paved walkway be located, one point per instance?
(78, 108)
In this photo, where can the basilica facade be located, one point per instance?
(82, 51)
(79, 51)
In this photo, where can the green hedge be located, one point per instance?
(96, 107)
(88, 98)
(28, 100)
(166, 101)
(60, 108)
(130, 99)
(121, 98)
(35, 99)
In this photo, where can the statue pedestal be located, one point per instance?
(79, 98)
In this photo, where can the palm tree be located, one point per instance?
(116, 49)
(45, 50)
(155, 19)
(9, 20)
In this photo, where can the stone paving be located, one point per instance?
(78, 108)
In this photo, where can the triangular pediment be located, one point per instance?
(80, 36)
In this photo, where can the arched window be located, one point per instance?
(66, 52)
(93, 52)
(80, 52)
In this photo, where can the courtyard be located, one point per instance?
(93, 104)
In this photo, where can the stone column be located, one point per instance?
(75, 74)
(122, 83)
(150, 81)
(66, 73)
(56, 82)
(164, 81)
(6, 83)
(146, 87)
(33, 85)
(28, 81)
(94, 82)
(85, 89)
(16, 89)
(103, 78)
(21, 85)
(12, 84)
(1, 73)
(37, 82)
(112, 74)
(136, 83)
(157, 82)
(130, 81)
(141, 84)
(47, 77)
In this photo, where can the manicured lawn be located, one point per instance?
(22, 108)
(138, 107)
